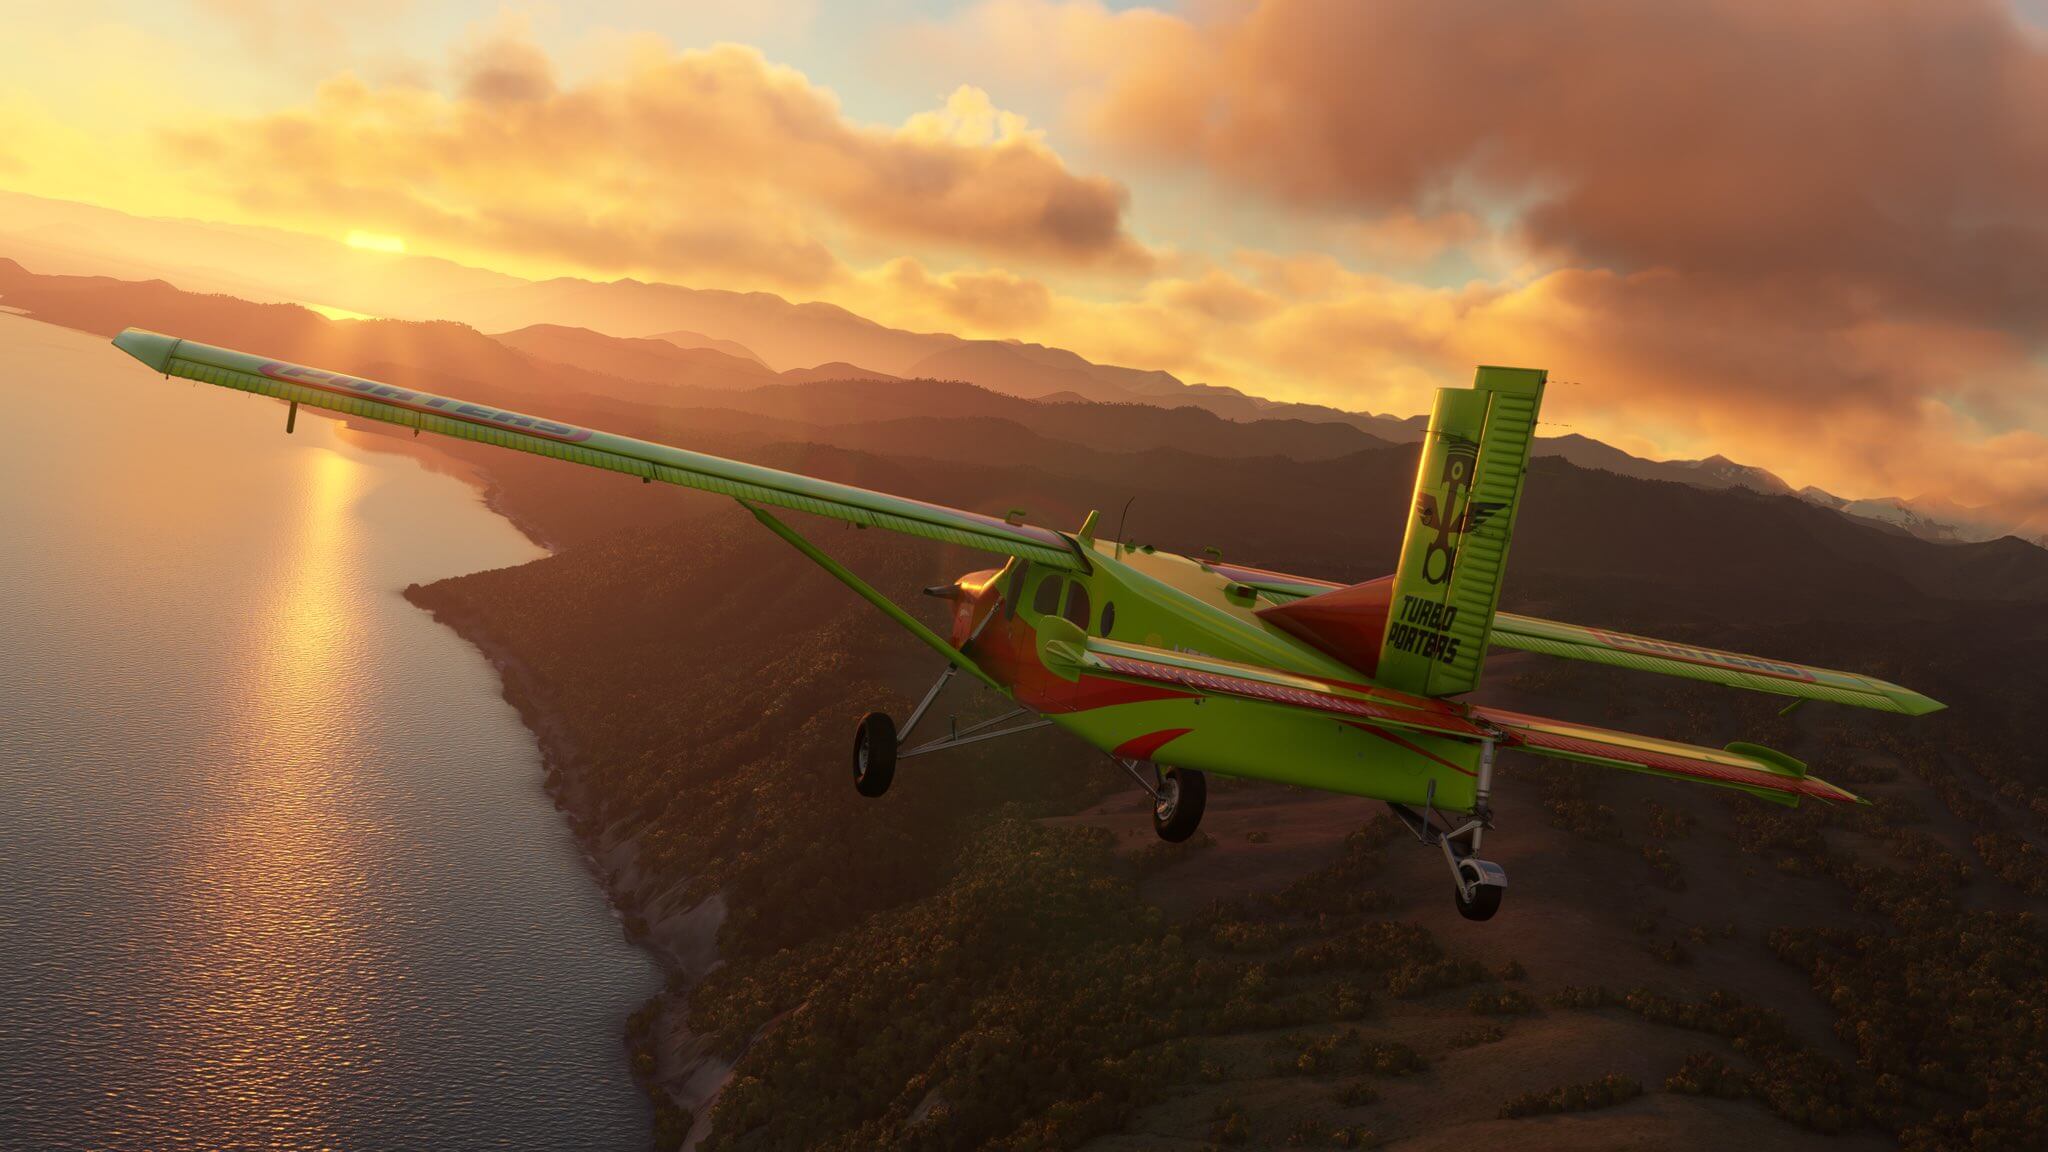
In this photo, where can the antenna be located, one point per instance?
(1121, 517)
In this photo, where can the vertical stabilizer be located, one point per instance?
(1468, 489)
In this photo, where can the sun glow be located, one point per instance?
(333, 313)
(376, 242)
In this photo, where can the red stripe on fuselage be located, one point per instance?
(1411, 746)
(1284, 694)
(1007, 650)
(1146, 746)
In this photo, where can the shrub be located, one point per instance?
(1420, 978)
(1357, 1093)
(1391, 1058)
(1510, 1002)
(1605, 1092)
(1571, 996)
(1315, 1133)
(1664, 867)
(1312, 1056)
(1231, 1125)
(1480, 1034)
(1705, 1074)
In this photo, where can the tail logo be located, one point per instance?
(1451, 511)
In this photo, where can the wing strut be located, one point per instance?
(867, 592)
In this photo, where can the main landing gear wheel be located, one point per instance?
(1178, 802)
(1478, 887)
(874, 754)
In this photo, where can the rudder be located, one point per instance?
(1468, 490)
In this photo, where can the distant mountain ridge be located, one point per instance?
(687, 339)
(629, 358)
(1937, 518)
(761, 335)
(79, 239)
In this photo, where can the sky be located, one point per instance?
(1812, 237)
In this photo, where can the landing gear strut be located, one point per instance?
(1476, 885)
(1178, 797)
(876, 740)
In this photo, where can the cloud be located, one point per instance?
(978, 300)
(695, 165)
(305, 35)
(1812, 235)
(1638, 360)
(1403, 238)
(969, 119)
(504, 66)
(1837, 154)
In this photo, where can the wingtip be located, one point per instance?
(152, 348)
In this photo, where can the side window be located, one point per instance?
(1077, 605)
(1047, 601)
(1108, 616)
(1016, 593)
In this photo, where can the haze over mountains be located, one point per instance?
(664, 334)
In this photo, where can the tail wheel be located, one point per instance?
(874, 754)
(1177, 811)
(1486, 883)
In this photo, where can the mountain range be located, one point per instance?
(660, 334)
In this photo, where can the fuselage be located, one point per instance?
(1175, 604)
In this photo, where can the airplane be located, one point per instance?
(1178, 666)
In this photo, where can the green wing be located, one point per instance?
(1671, 658)
(487, 425)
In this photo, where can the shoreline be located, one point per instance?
(672, 1066)
(490, 492)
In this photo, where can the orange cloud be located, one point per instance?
(980, 301)
(1838, 154)
(691, 165)
(1404, 238)
(1811, 235)
(1642, 361)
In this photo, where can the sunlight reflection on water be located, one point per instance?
(276, 869)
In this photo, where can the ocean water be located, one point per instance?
(276, 866)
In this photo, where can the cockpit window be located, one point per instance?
(1047, 601)
(1016, 593)
(1077, 606)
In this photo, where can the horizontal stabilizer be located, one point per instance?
(1752, 768)
(1642, 653)
(1671, 658)
(1747, 767)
